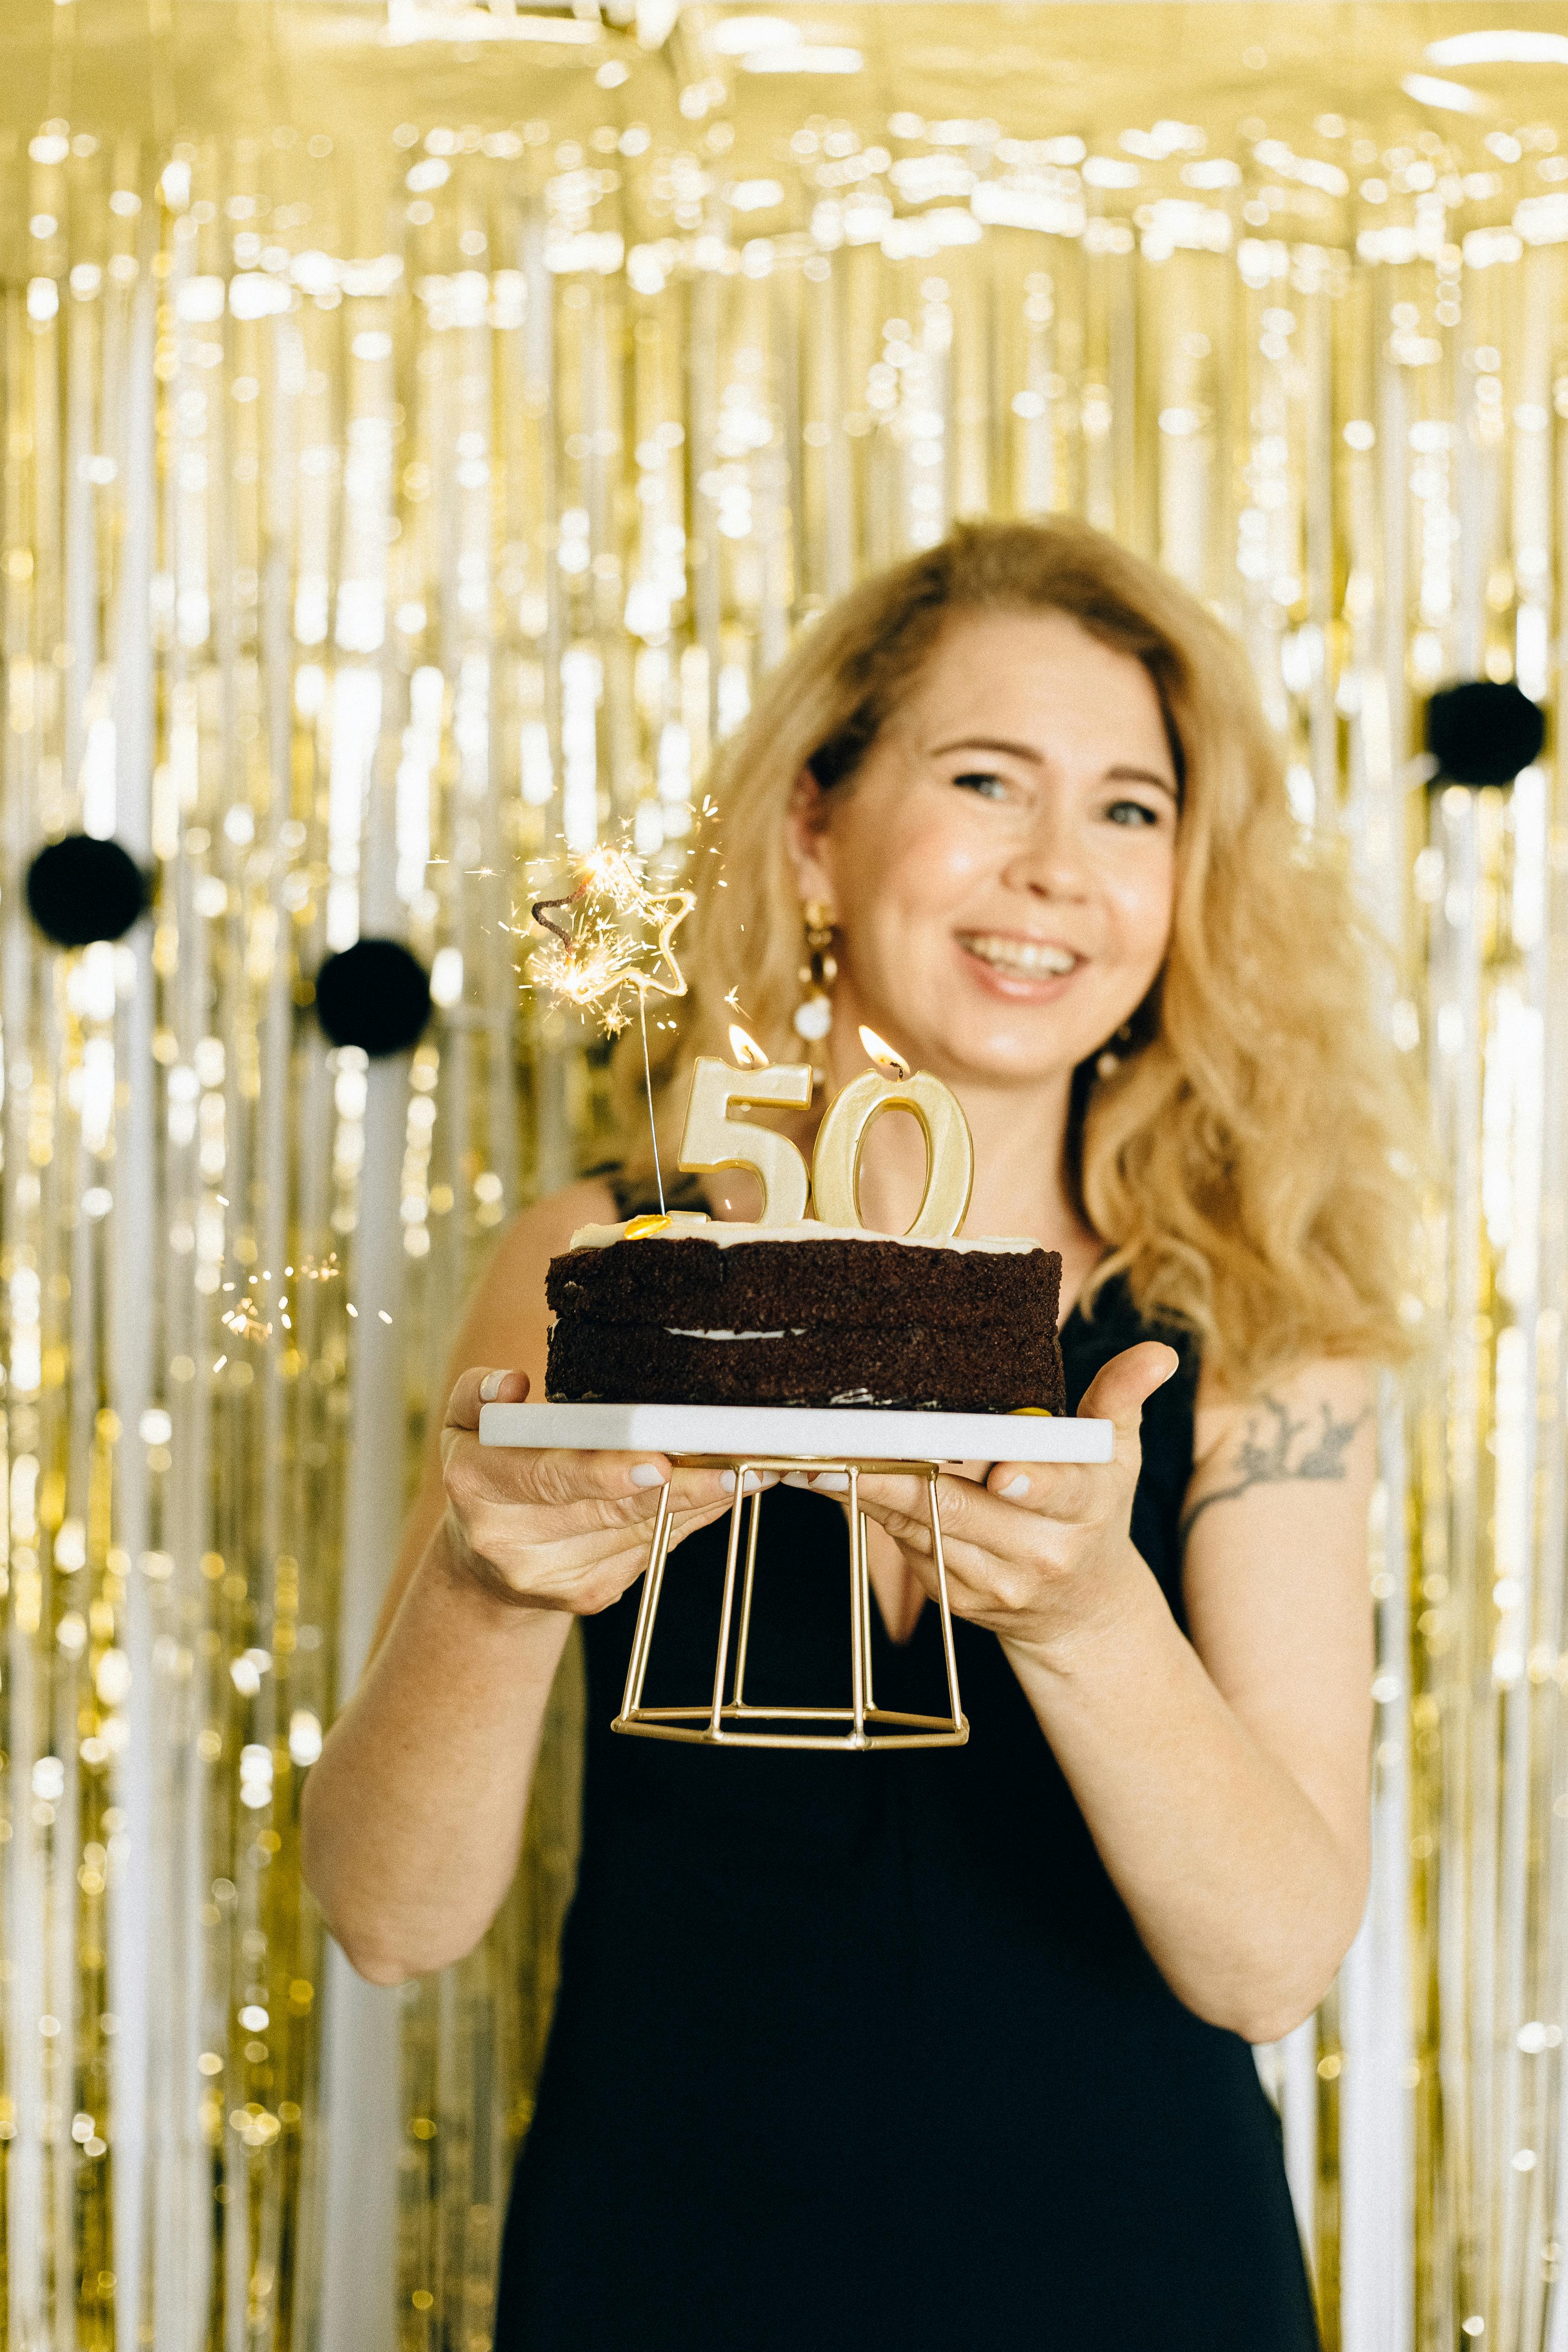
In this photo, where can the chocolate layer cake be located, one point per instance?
(693, 1312)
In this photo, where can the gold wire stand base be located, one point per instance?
(709, 1723)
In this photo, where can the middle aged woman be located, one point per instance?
(950, 2049)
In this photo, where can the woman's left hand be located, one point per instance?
(1042, 1553)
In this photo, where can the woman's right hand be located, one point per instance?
(557, 1529)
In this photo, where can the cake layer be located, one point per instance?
(870, 1282)
(804, 1316)
(957, 1367)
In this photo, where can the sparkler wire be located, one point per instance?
(540, 917)
(648, 1084)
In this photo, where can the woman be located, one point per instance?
(952, 2049)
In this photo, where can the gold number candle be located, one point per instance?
(711, 1139)
(949, 1151)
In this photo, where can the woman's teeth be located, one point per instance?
(1032, 958)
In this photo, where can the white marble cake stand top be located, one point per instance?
(848, 1432)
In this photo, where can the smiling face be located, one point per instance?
(1001, 866)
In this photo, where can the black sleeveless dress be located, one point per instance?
(862, 2053)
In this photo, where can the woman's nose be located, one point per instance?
(1051, 863)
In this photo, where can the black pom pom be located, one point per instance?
(1482, 733)
(376, 995)
(80, 890)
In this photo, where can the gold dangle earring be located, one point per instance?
(814, 1014)
(1109, 1062)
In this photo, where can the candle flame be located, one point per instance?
(746, 1048)
(892, 1064)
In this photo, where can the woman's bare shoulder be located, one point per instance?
(546, 1228)
(508, 1322)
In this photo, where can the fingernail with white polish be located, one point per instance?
(727, 1481)
(647, 1473)
(796, 1478)
(1015, 1490)
(490, 1387)
(831, 1482)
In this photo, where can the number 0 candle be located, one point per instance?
(949, 1151)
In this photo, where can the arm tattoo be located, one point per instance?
(1263, 1457)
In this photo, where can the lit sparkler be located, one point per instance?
(602, 957)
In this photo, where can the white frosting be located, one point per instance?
(675, 1332)
(684, 1226)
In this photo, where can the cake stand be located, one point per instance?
(745, 1438)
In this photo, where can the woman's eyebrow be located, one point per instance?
(1120, 774)
(988, 743)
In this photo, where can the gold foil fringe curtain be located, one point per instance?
(349, 577)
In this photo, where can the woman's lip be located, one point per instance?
(1017, 987)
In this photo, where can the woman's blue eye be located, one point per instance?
(984, 781)
(1132, 813)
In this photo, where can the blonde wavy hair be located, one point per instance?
(1250, 1164)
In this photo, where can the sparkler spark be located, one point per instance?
(892, 1064)
(245, 1323)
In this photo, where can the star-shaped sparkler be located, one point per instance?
(602, 956)
(598, 957)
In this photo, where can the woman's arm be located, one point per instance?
(1224, 1778)
(412, 1817)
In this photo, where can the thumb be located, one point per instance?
(478, 1386)
(1120, 1389)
